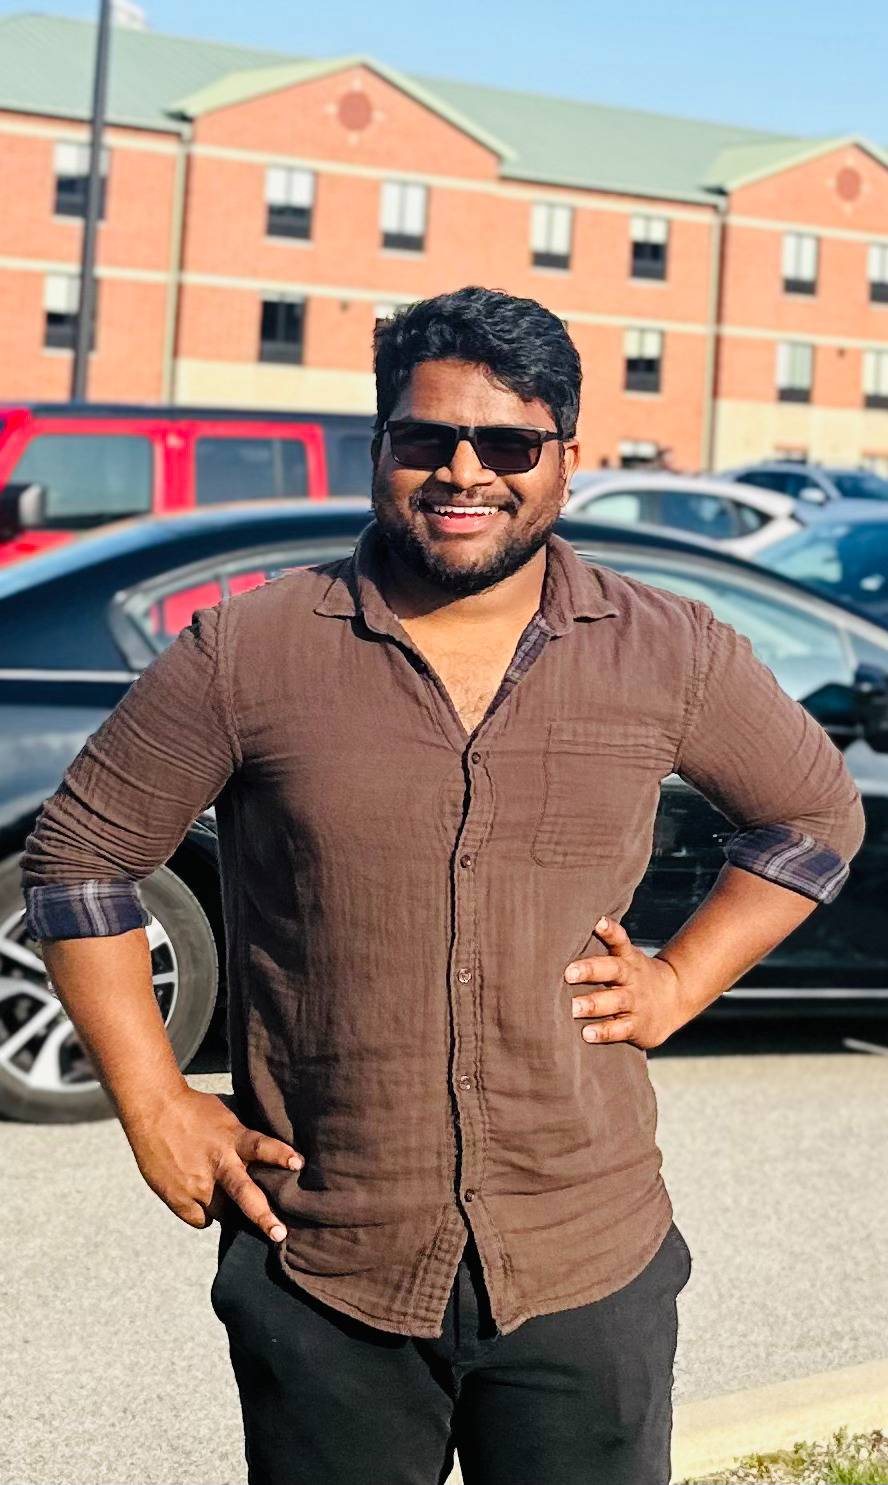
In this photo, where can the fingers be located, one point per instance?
(603, 1003)
(620, 1029)
(253, 1146)
(234, 1179)
(602, 970)
(614, 935)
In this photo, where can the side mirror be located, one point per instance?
(871, 691)
(812, 494)
(22, 508)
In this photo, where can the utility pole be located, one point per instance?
(86, 307)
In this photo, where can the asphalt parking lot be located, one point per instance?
(115, 1369)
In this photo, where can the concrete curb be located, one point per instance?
(711, 1434)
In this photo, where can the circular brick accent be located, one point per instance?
(848, 184)
(355, 110)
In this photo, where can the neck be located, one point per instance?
(516, 597)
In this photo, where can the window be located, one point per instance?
(280, 336)
(61, 305)
(650, 243)
(402, 215)
(159, 610)
(804, 652)
(71, 163)
(89, 478)
(702, 515)
(795, 371)
(643, 350)
(635, 453)
(875, 378)
(289, 196)
(550, 234)
(800, 254)
(877, 266)
(623, 507)
(249, 469)
(382, 313)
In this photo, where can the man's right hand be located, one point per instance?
(194, 1152)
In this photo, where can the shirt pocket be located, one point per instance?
(601, 788)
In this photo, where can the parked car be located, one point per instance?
(67, 467)
(842, 553)
(815, 483)
(740, 518)
(78, 623)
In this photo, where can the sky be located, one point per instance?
(783, 65)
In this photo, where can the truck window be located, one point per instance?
(89, 476)
(249, 469)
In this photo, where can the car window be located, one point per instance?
(623, 507)
(160, 610)
(843, 560)
(804, 651)
(763, 479)
(89, 477)
(748, 518)
(239, 468)
(703, 515)
(348, 461)
(859, 485)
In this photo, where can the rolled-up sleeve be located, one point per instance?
(125, 803)
(764, 761)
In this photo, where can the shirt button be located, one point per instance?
(465, 1081)
(476, 757)
(465, 860)
(464, 976)
(469, 1195)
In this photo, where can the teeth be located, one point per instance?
(465, 510)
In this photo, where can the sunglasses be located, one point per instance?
(422, 444)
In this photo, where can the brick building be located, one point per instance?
(727, 289)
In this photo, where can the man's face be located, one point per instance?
(464, 554)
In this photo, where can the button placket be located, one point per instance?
(468, 1111)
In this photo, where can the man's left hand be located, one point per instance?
(637, 998)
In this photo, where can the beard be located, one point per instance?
(457, 581)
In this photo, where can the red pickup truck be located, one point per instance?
(65, 467)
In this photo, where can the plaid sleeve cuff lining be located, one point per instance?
(85, 910)
(790, 858)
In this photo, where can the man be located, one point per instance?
(436, 768)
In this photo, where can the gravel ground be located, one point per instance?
(115, 1369)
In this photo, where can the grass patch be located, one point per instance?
(856, 1459)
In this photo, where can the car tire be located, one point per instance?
(46, 1078)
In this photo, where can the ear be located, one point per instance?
(570, 459)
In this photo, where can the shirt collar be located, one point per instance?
(572, 589)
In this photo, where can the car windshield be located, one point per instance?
(859, 484)
(847, 561)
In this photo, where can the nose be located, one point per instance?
(465, 469)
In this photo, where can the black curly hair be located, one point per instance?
(524, 345)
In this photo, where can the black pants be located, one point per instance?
(581, 1397)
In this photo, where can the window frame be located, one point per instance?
(646, 375)
(875, 371)
(283, 181)
(551, 224)
(74, 207)
(648, 231)
(288, 353)
(394, 213)
(877, 272)
(788, 390)
(796, 247)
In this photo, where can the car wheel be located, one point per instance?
(45, 1074)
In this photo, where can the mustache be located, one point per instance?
(432, 492)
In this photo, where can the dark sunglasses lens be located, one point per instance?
(421, 445)
(507, 450)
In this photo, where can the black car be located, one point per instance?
(77, 624)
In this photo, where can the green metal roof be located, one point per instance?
(46, 67)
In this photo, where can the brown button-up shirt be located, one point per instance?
(401, 901)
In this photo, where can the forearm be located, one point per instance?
(736, 925)
(105, 985)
